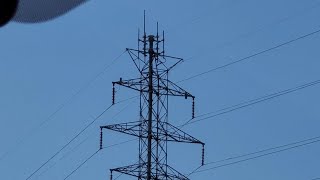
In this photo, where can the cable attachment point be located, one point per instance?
(193, 104)
(202, 163)
(113, 93)
(101, 135)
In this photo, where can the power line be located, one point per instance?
(94, 120)
(271, 25)
(264, 150)
(78, 167)
(77, 146)
(315, 140)
(253, 55)
(106, 147)
(68, 101)
(63, 147)
(120, 143)
(64, 156)
(117, 114)
(252, 102)
(81, 164)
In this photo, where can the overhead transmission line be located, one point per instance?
(251, 102)
(75, 137)
(257, 154)
(253, 55)
(81, 164)
(66, 102)
(77, 146)
(85, 161)
(69, 142)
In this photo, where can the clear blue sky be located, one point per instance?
(44, 65)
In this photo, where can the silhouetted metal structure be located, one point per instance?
(153, 128)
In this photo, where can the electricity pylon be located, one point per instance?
(153, 128)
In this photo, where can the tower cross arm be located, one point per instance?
(139, 171)
(172, 89)
(131, 170)
(163, 88)
(174, 134)
(130, 128)
(138, 84)
(139, 129)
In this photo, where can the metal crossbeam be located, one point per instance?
(166, 132)
(165, 87)
(136, 169)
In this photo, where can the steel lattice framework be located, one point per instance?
(153, 128)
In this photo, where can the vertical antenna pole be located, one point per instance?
(138, 43)
(144, 22)
(150, 110)
(157, 40)
(144, 34)
(163, 42)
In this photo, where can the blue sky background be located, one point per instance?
(43, 66)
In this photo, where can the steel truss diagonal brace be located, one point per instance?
(131, 170)
(130, 128)
(177, 135)
(139, 171)
(134, 54)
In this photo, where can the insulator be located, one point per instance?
(113, 94)
(101, 136)
(202, 163)
(193, 104)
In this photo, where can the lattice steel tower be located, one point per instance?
(153, 128)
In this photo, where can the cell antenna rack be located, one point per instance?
(153, 128)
